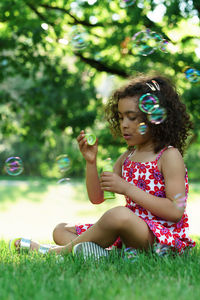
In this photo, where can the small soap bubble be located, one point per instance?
(63, 181)
(130, 254)
(142, 128)
(14, 166)
(158, 115)
(192, 74)
(148, 103)
(63, 163)
(78, 38)
(180, 201)
(161, 250)
(126, 3)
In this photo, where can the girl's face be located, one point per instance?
(129, 119)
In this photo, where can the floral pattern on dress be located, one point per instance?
(142, 183)
(147, 177)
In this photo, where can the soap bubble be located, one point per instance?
(126, 3)
(63, 181)
(139, 43)
(161, 250)
(131, 254)
(63, 162)
(148, 103)
(146, 42)
(78, 38)
(180, 200)
(14, 166)
(192, 74)
(142, 128)
(158, 115)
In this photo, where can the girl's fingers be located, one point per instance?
(81, 135)
(82, 142)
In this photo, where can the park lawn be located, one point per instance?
(36, 277)
(32, 276)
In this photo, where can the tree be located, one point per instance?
(49, 74)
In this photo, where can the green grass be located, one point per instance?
(37, 277)
(34, 276)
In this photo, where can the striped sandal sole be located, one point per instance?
(89, 249)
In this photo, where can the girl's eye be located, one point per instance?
(133, 118)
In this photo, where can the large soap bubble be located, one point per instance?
(148, 103)
(146, 42)
(14, 166)
(158, 115)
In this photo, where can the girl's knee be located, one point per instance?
(58, 230)
(63, 232)
(118, 217)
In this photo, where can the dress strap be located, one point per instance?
(161, 152)
(131, 153)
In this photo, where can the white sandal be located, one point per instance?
(24, 246)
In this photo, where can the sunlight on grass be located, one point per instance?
(34, 207)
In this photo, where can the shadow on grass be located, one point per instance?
(15, 190)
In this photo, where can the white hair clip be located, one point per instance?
(155, 86)
(151, 86)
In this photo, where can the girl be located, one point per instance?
(151, 174)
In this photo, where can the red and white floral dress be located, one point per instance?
(147, 177)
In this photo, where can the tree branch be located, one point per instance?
(66, 11)
(92, 62)
(102, 67)
(39, 14)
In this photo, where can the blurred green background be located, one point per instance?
(49, 91)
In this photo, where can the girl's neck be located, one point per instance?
(146, 147)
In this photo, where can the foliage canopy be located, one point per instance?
(50, 91)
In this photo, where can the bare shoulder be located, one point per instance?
(172, 159)
(171, 154)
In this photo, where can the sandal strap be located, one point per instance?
(25, 244)
(43, 249)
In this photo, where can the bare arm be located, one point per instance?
(173, 170)
(94, 191)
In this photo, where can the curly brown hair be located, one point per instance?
(174, 130)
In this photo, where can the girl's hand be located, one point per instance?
(88, 152)
(112, 182)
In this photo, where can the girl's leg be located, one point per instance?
(118, 221)
(63, 234)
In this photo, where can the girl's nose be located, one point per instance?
(125, 123)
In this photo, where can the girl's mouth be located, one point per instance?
(127, 136)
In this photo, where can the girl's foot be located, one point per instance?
(31, 244)
(22, 244)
